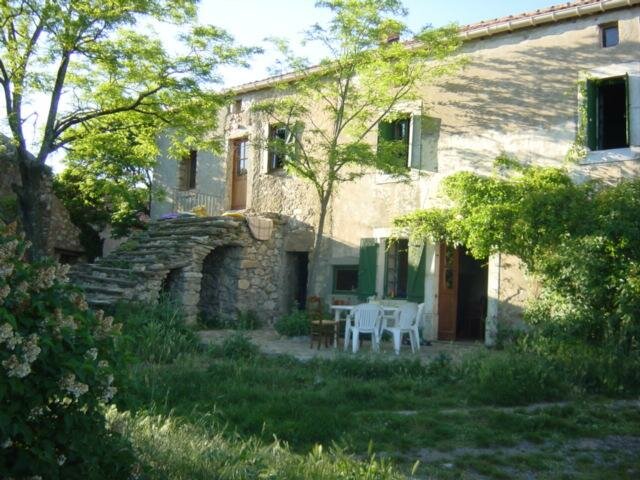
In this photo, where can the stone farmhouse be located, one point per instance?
(532, 84)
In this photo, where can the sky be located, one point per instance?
(251, 21)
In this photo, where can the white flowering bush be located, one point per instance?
(56, 374)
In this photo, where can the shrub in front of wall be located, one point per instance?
(294, 324)
(239, 346)
(155, 333)
(56, 374)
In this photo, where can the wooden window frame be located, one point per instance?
(397, 125)
(603, 29)
(340, 268)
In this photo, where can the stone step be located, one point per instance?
(113, 272)
(85, 279)
(104, 289)
(177, 234)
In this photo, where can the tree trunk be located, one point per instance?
(34, 202)
(315, 255)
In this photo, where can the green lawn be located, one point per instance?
(454, 420)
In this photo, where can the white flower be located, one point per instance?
(6, 331)
(15, 368)
(61, 459)
(4, 292)
(92, 353)
(7, 443)
(69, 383)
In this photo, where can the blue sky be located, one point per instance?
(250, 21)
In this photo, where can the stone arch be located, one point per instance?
(221, 270)
(171, 284)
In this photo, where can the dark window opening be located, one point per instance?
(188, 168)
(278, 138)
(237, 105)
(608, 113)
(609, 36)
(345, 278)
(393, 140)
(397, 269)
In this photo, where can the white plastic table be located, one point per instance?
(338, 309)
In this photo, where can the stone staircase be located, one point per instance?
(141, 267)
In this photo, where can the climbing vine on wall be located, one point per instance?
(579, 240)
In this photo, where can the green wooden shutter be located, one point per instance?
(592, 114)
(417, 268)
(416, 142)
(367, 268)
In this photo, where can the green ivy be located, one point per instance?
(580, 241)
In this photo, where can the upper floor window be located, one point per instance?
(607, 113)
(187, 171)
(609, 35)
(281, 145)
(393, 141)
(237, 106)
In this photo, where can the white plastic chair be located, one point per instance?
(406, 320)
(364, 318)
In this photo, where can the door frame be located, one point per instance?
(233, 158)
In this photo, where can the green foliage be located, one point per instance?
(244, 320)
(57, 371)
(8, 208)
(112, 89)
(155, 333)
(581, 241)
(336, 107)
(239, 346)
(513, 378)
(180, 449)
(247, 320)
(294, 324)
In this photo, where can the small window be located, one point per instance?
(397, 269)
(237, 106)
(345, 279)
(607, 113)
(609, 35)
(187, 173)
(281, 143)
(393, 140)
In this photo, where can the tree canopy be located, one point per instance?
(330, 112)
(579, 240)
(103, 69)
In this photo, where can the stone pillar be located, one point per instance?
(493, 301)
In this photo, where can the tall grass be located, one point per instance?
(171, 448)
(155, 333)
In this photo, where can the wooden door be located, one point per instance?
(239, 175)
(448, 286)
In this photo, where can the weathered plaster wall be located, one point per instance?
(517, 93)
(211, 183)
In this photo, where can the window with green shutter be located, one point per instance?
(367, 268)
(417, 260)
(393, 141)
(608, 113)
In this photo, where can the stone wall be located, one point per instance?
(64, 239)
